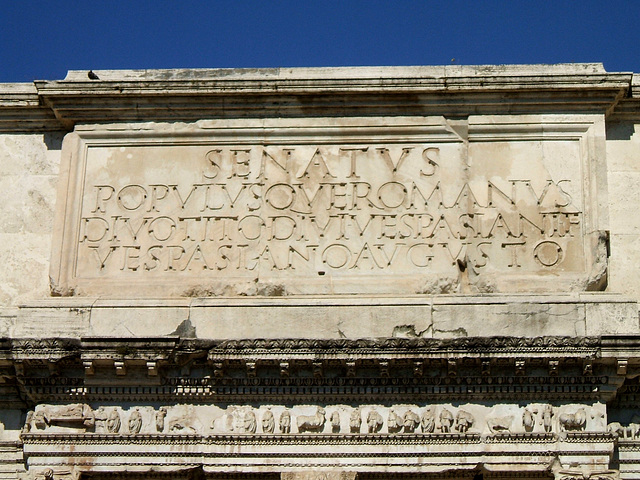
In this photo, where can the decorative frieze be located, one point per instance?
(327, 419)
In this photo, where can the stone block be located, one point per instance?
(623, 271)
(351, 318)
(29, 205)
(490, 204)
(625, 190)
(512, 317)
(48, 319)
(623, 140)
(24, 259)
(140, 319)
(617, 317)
(30, 154)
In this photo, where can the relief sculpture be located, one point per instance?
(135, 422)
(624, 431)
(77, 416)
(547, 415)
(573, 421)
(500, 424)
(27, 424)
(334, 419)
(182, 420)
(428, 420)
(243, 420)
(113, 421)
(529, 419)
(268, 422)
(248, 420)
(411, 421)
(394, 422)
(374, 421)
(355, 420)
(160, 416)
(311, 423)
(285, 421)
(446, 421)
(464, 421)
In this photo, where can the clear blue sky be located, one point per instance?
(42, 40)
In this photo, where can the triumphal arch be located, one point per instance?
(321, 273)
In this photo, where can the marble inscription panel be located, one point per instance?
(414, 207)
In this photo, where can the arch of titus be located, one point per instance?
(321, 274)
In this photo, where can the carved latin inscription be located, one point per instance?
(209, 216)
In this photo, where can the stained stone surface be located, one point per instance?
(347, 316)
(327, 206)
(28, 178)
(321, 274)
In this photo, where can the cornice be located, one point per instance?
(509, 367)
(21, 110)
(109, 96)
(334, 80)
(628, 108)
(113, 347)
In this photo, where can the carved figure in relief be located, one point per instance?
(428, 420)
(27, 424)
(101, 415)
(617, 429)
(528, 419)
(500, 424)
(334, 419)
(599, 423)
(464, 421)
(182, 420)
(355, 420)
(311, 423)
(113, 421)
(394, 421)
(160, 416)
(76, 415)
(268, 422)
(573, 421)
(634, 430)
(38, 420)
(243, 420)
(446, 420)
(176, 426)
(547, 418)
(285, 421)
(411, 421)
(374, 421)
(622, 431)
(135, 422)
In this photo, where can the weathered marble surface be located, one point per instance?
(326, 206)
(27, 284)
(348, 316)
(446, 436)
(499, 419)
(471, 206)
(28, 179)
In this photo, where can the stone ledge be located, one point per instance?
(192, 94)
(315, 317)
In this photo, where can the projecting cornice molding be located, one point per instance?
(158, 368)
(108, 96)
